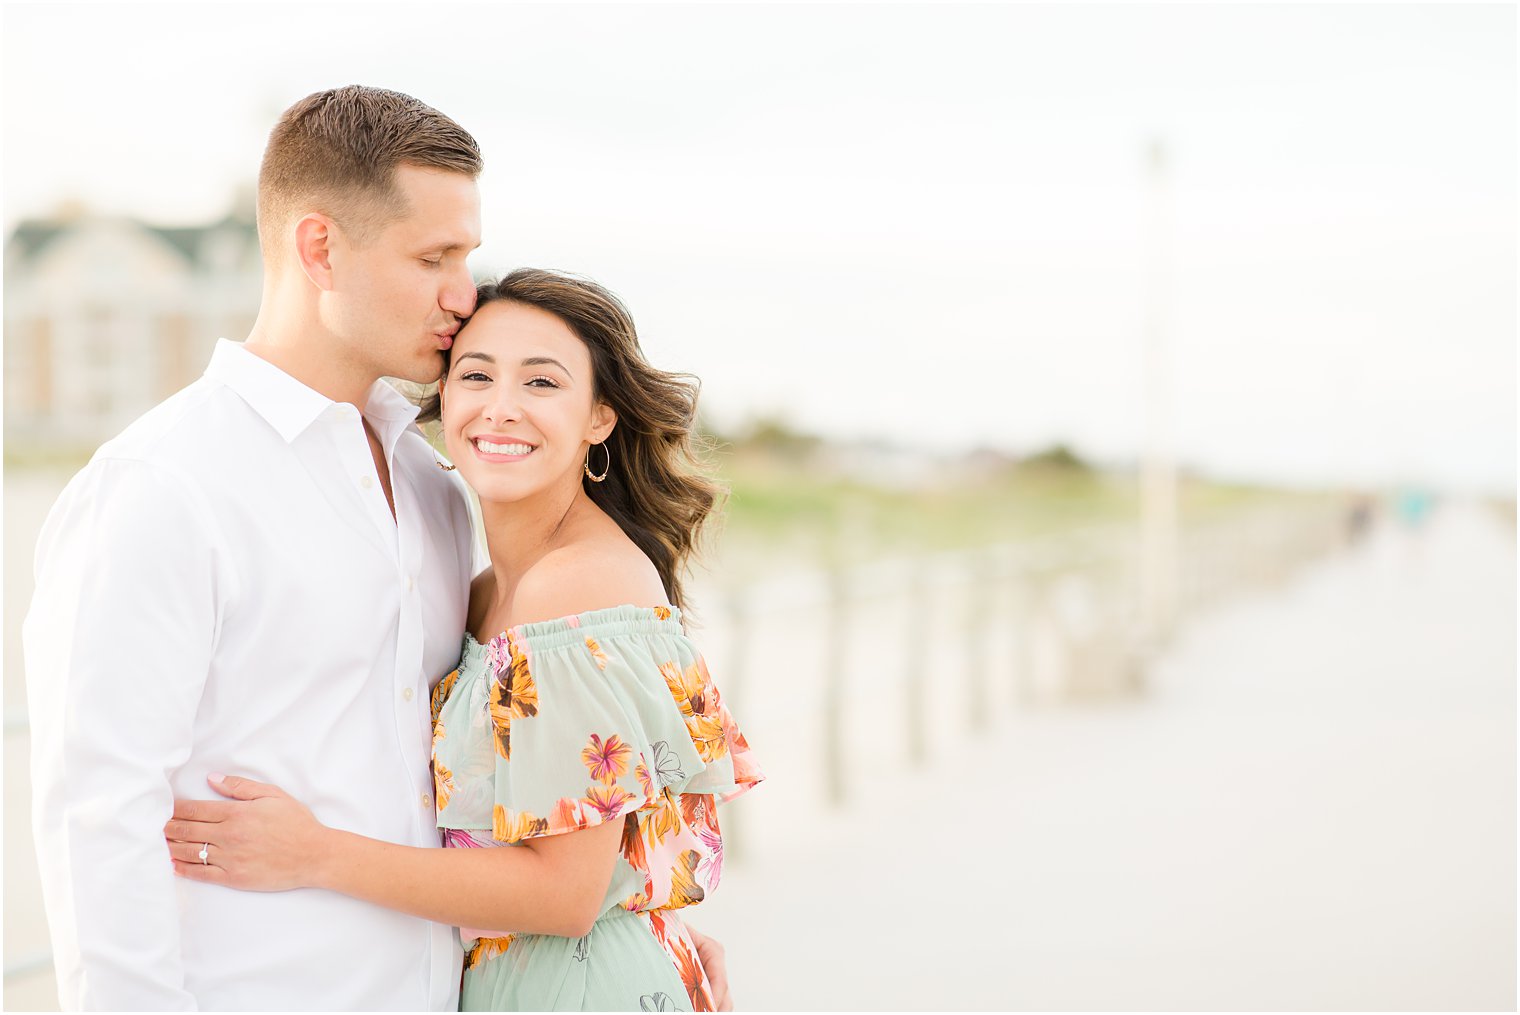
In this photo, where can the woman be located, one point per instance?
(581, 726)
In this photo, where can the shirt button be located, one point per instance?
(407, 694)
(366, 482)
(409, 583)
(427, 801)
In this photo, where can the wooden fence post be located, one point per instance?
(978, 589)
(916, 658)
(832, 708)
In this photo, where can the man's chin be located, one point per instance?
(424, 370)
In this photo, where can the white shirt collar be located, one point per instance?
(289, 406)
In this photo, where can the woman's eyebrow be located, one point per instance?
(544, 361)
(478, 355)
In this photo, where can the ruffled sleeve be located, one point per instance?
(600, 715)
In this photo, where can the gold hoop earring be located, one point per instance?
(439, 462)
(605, 469)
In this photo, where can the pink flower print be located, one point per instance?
(710, 870)
(497, 657)
(607, 759)
(608, 799)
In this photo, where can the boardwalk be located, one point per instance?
(1313, 808)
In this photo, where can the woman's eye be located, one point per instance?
(473, 375)
(542, 382)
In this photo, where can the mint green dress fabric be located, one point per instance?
(563, 725)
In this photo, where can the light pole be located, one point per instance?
(1158, 470)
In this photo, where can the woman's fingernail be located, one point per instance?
(215, 777)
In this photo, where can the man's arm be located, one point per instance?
(118, 643)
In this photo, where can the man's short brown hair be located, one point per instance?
(336, 151)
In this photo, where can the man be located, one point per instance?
(262, 576)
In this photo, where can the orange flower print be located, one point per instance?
(664, 818)
(694, 808)
(441, 692)
(746, 772)
(515, 826)
(662, 612)
(660, 923)
(684, 890)
(514, 694)
(521, 693)
(501, 727)
(485, 948)
(443, 783)
(692, 976)
(685, 687)
(698, 701)
(707, 734)
(607, 759)
(596, 653)
(646, 781)
(570, 813)
(609, 799)
(632, 846)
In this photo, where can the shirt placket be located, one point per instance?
(359, 465)
(414, 720)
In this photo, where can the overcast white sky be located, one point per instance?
(916, 222)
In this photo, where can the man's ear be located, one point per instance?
(603, 419)
(314, 241)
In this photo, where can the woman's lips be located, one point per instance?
(502, 450)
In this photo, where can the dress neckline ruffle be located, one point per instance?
(573, 628)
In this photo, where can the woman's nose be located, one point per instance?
(503, 410)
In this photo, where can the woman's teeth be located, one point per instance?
(503, 449)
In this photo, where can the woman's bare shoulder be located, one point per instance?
(590, 574)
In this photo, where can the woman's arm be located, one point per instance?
(264, 840)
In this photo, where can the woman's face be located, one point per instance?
(518, 414)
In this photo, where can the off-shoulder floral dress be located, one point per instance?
(558, 726)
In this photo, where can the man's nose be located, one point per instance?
(458, 296)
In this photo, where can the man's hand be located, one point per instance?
(710, 953)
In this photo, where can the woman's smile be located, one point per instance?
(503, 450)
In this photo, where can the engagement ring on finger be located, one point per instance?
(202, 854)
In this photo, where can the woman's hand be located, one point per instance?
(261, 840)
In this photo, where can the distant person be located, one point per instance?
(1414, 506)
(266, 574)
(1359, 517)
(581, 725)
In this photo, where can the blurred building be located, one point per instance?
(104, 317)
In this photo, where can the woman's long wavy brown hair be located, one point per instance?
(655, 489)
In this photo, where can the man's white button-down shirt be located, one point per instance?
(224, 589)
